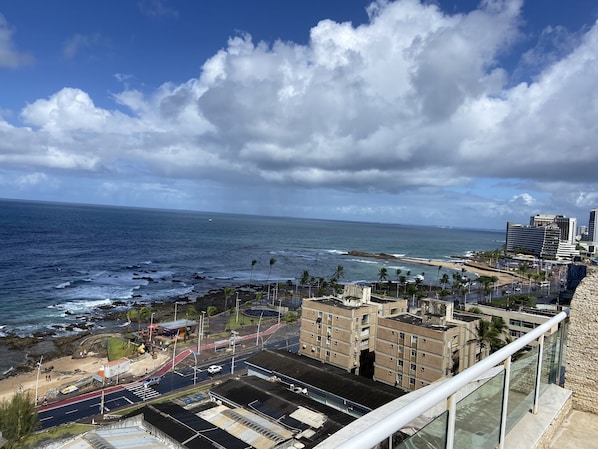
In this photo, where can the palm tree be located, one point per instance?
(253, 262)
(399, 271)
(382, 274)
(338, 273)
(304, 277)
(272, 262)
(143, 314)
(228, 291)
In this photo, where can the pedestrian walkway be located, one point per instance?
(141, 391)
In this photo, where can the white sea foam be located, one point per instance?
(64, 285)
(365, 261)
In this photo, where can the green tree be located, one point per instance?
(228, 292)
(272, 262)
(339, 272)
(304, 277)
(382, 274)
(18, 419)
(143, 315)
(253, 262)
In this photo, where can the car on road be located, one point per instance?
(214, 369)
(151, 381)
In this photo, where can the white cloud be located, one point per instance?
(10, 57)
(415, 99)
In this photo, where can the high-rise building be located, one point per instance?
(567, 225)
(593, 226)
(538, 241)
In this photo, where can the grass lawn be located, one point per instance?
(60, 432)
(119, 348)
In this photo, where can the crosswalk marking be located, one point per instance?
(142, 392)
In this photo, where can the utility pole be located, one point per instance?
(39, 367)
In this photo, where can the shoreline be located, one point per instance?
(504, 277)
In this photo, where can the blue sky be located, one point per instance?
(452, 113)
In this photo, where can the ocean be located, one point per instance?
(59, 261)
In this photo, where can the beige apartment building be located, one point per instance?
(519, 322)
(342, 330)
(413, 351)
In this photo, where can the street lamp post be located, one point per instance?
(234, 340)
(151, 326)
(257, 338)
(176, 338)
(279, 308)
(195, 354)
(39, 367)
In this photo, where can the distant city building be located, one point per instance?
(548, 236)
(541, 242)
(593, 226)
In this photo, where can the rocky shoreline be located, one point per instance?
(106, 319)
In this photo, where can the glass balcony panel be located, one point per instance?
(431, 436)
(521, 389)
(478, 416)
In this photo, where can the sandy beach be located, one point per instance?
(504, 277)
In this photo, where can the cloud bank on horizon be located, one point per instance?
(413, 113)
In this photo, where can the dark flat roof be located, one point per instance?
(329, 378)
(278, 402)
(415, 320)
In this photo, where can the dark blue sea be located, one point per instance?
(59, 261)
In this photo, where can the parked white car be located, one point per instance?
(214, 369)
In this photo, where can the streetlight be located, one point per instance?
(151, 326)
(279, 308)
(39, 367)
(176, 303)
(176, 338)
(195, 354)
(234, 341)
(257, 338)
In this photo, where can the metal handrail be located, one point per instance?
(386, 420)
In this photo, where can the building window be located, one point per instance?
(401, 335)
(399, 378)
(412, 367)
(399, 363)
(412, 380)
(513, 322)
(414, 339)
(327, 353)
(413, 353)
(319, 338)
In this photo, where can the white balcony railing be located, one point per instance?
(533, 370)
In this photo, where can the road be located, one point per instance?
(184, 376)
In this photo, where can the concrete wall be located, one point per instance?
(582, 345)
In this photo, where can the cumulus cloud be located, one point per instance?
(10, 56)
(414, 99)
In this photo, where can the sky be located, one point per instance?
(443, 113)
